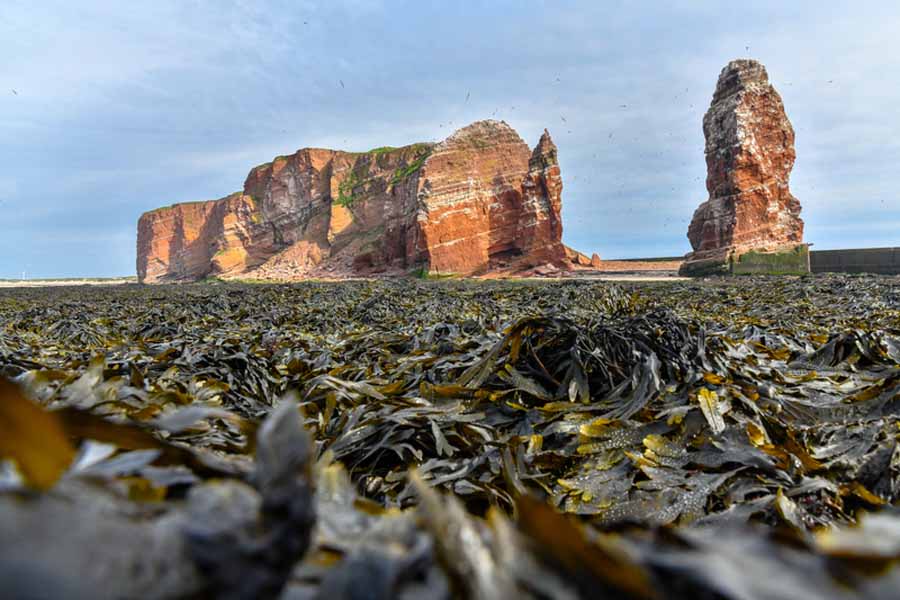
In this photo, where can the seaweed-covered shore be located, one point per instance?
(731, 438)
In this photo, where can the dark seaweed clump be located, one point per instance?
(721, 439)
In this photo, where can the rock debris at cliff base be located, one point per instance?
(719, 439)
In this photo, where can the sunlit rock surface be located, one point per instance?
(481, 200)
(749, 157)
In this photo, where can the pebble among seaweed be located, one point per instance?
(729, 438)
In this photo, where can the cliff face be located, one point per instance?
(749, 157)
(175, 242)
(486, 203)
(477, 201)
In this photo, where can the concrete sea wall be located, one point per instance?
(862, 260)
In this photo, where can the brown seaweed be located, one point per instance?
(730, 438)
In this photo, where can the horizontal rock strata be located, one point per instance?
(749, 157)
(481, 200)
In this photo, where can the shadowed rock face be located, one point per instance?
(477, 201)
(540, 225)
(749, 157)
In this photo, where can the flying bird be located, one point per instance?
(563, 118)
(342, 82)
(467, 96)
(15, 92)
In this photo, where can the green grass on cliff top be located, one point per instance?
(416, 147)
(346, 195)
(381, 150)
(190, 203)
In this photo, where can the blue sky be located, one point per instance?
(109, 109)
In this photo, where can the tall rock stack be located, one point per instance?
(540, 223)
(749, 156)
(479, 201)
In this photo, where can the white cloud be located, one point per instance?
(134, 105)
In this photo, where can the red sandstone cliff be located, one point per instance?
(749, 157)
(479, 200)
